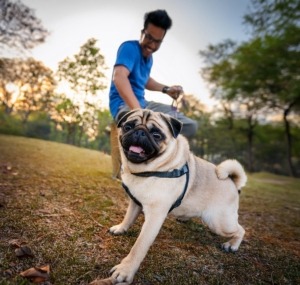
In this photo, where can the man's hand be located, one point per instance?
(175, 91)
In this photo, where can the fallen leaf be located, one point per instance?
(16, 243)
(44, 211)
(23, 251)
(37, 274)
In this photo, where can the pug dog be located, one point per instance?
(161, 177)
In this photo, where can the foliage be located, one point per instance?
(39, 126)
(268, 139)
(79, 127)
(261, 75)
(102, 141)
(271, 17)
(19, 27)
(26, 85)
(86, 77)
(84, 72)
(10, 124)
(66, 115)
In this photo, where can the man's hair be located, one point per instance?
(159, 18)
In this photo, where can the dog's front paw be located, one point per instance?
(228, 247)
(118, 230)
(123, 273)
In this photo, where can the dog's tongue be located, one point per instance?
(136, 149)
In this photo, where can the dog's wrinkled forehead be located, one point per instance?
(146, 118)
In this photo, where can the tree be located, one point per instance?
(66, 115)
(102, 141)
(263, 72)
(26, 85)
(274, 65)
(19, 27)
(85, 73)
(272, 16)
(276, 26)
(225, 85)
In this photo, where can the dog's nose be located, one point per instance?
(139, 133)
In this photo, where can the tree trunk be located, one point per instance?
(288, 136)
(80, 136)
(250, 144)
(71, 132)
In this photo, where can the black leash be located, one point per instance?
(163, 174)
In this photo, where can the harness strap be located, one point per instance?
(177, 203)
(175, 173)
(169, 174)
(135, 200)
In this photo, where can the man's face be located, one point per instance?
(151, 39)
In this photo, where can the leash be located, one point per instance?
(177, 104)
(163, 174)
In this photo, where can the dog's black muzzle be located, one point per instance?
(139, 145)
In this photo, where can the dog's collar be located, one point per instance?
(175, 173)
(164, 174)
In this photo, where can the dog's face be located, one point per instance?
(145, 134)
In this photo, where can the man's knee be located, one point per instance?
(189, 129)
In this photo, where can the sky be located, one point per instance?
(196, 24)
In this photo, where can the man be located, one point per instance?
(131, 74)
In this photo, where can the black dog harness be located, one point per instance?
(163, 174)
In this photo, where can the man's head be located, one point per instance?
(158, 18)
(156, 24)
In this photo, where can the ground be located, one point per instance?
(60, 201)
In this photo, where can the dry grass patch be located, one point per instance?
(60, 201)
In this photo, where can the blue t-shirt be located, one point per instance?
(130, 55)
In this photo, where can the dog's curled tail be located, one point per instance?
(234, 170)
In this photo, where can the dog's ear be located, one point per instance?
(174, 125)
(123, 117)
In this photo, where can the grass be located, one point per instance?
(60, 200)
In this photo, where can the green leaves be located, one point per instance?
(85, 72)
(261, 75)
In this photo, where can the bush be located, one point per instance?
(10, 125)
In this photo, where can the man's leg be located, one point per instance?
(189, 127)
(115, 152)
(122, 111)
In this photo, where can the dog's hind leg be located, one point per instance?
(131, 215)
(236, 238)
(225, 224)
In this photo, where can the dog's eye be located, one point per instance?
(127, 127)
(156, 135)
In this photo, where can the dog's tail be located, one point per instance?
(234, 170)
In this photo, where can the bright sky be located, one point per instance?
(196, 24)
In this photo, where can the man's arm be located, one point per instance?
(153, 85)
(172, 91)
(121, 81)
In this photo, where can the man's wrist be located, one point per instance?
(165, 89)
